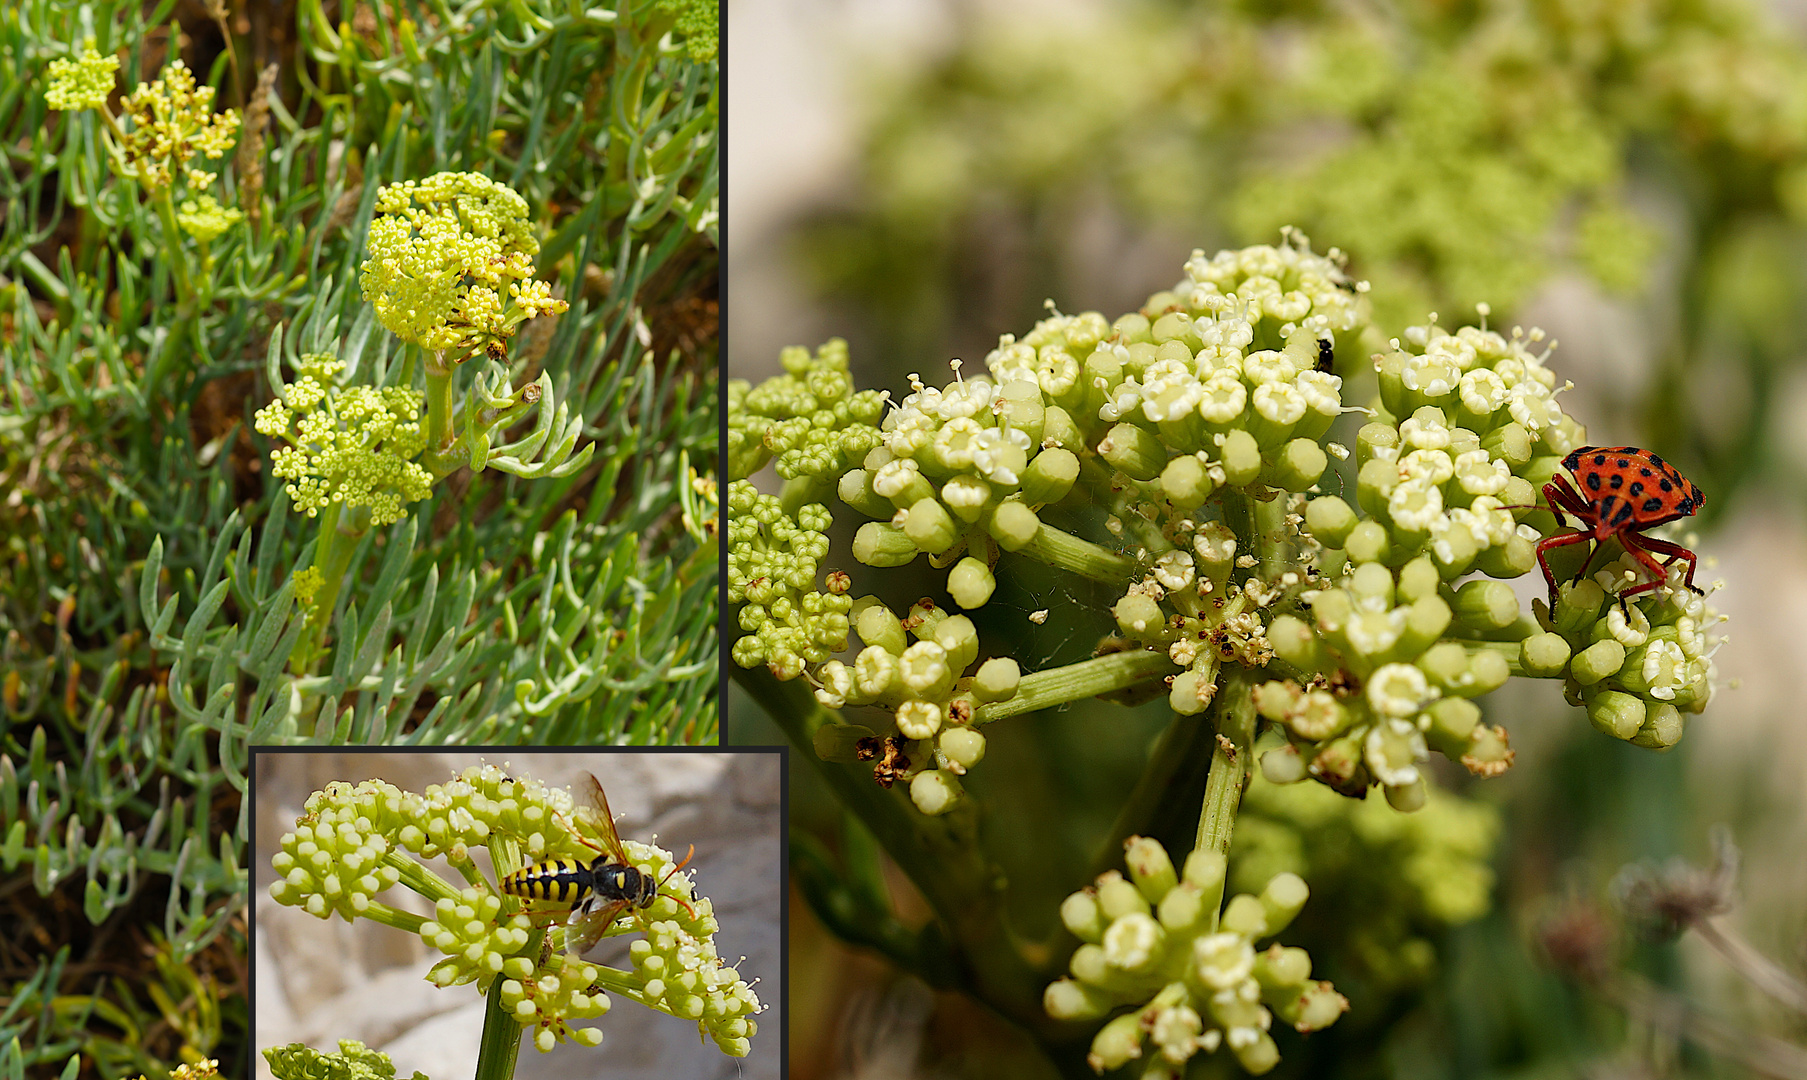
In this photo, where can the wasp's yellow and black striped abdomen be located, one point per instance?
(563, 880)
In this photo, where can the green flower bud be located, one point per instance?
(1662, 727)
(930, 527)
(1299, 465)
(1012, 525)
(1068, 999)
(996, 679)
(1259, 1056)
(1283, 899)
(1205, 870)
(1022, 408)
(1049, 476)
(1118, 897)
(1510, 442)
(1241, 458)
(1182, 909)
(1425, 622)
(1080, 914)
(880, 543)
(1245, 915)
(1597, 661)
(926, 671)
(1116, 1043)
(1406, 798)
(1367, 542)
(1185, 482)
(1058, 427)
(1134, 451)
(1316, 1009)
(971, 583)
(1282, 968)
(1577, 606)
(1544, 655)
(1615, 713)
(964, 747)
(1140, 617)
(1373, 584)
(1514, 558)
(877, 625)
(960, 638)
(1452, 724)
(1149, 867)
(935, 791)
(1283, 765)
(1190, 693)
(1329, 519)
(967, 497)
(1294, 642)
(855, 489)
(1417, 580)
(1486, 605)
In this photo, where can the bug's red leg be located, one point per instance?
(1560, 496)
(1674, 551)
(1556, 542)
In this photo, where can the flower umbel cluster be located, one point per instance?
(173, 122)
(451, 264)
(1156, 940)
(354, 841)
(350, 445)
(354, 1061)
(83, 83)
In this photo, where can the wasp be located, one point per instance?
(599, 892)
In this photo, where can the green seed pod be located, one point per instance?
(1184, 694)
(935, 791)
(1372, 583)
(1299, 465)
(960, 638)
(1425, 622)
(1543, 656)
(1205, 869)
(1406, 798)
(855, 489)
(1116, 1043)
(1662, 727)
(1577, 606)
(1140, 617)
(878, 625)
(1283, 968)
(1058, 427)
(1453, 721)
(963, 746)
(1135, 451)
(1514, 558)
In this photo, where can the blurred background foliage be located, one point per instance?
(144, 551)
(1632, 177)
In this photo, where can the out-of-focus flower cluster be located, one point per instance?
(352, 445)
(354, 841)
(354, 1061)
(1411, 875)
(83, 83)
(451, 263)
(1156, 940)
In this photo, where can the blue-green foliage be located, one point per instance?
(147, 596)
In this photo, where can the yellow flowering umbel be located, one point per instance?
(83, 83)
(172, 122)
(356, 840)
(351, 445)
(451, 264)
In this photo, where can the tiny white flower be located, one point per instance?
(1415, 505)
(1399, 690)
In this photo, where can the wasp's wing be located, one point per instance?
(590, 920)
(605, 822)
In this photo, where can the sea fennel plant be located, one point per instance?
(1332, 623)
(181, 238)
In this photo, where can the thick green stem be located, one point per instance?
(1269, 520)
(1088, 678)
(172, 241)
(333, 550)
(501, 1042)
(440, 436)
(1229, 771)
(1174, 769)
(1065, 551)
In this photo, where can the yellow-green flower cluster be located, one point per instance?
(354, 1061)
(772, 561)
(205, 219)
(679, 973)
(172, 122)
(350, 844)
(810, 419)
(82, 83)
(1156, 940)
(548, 997)
(451, 262)
(349, 445)
(1412, 875)
(1638, 668)
(922, 684)
(1380, 682)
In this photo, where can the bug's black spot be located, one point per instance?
(1622, 514)
(1593, 481)
(1326, 354)
(1652, 505)
(1637, 487)
(1645, 471)
(1599, 459)
(1616, 481)
(1657, 461)
(1624, 464)
(1666, 485)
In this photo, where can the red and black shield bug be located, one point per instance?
(1621, 491)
